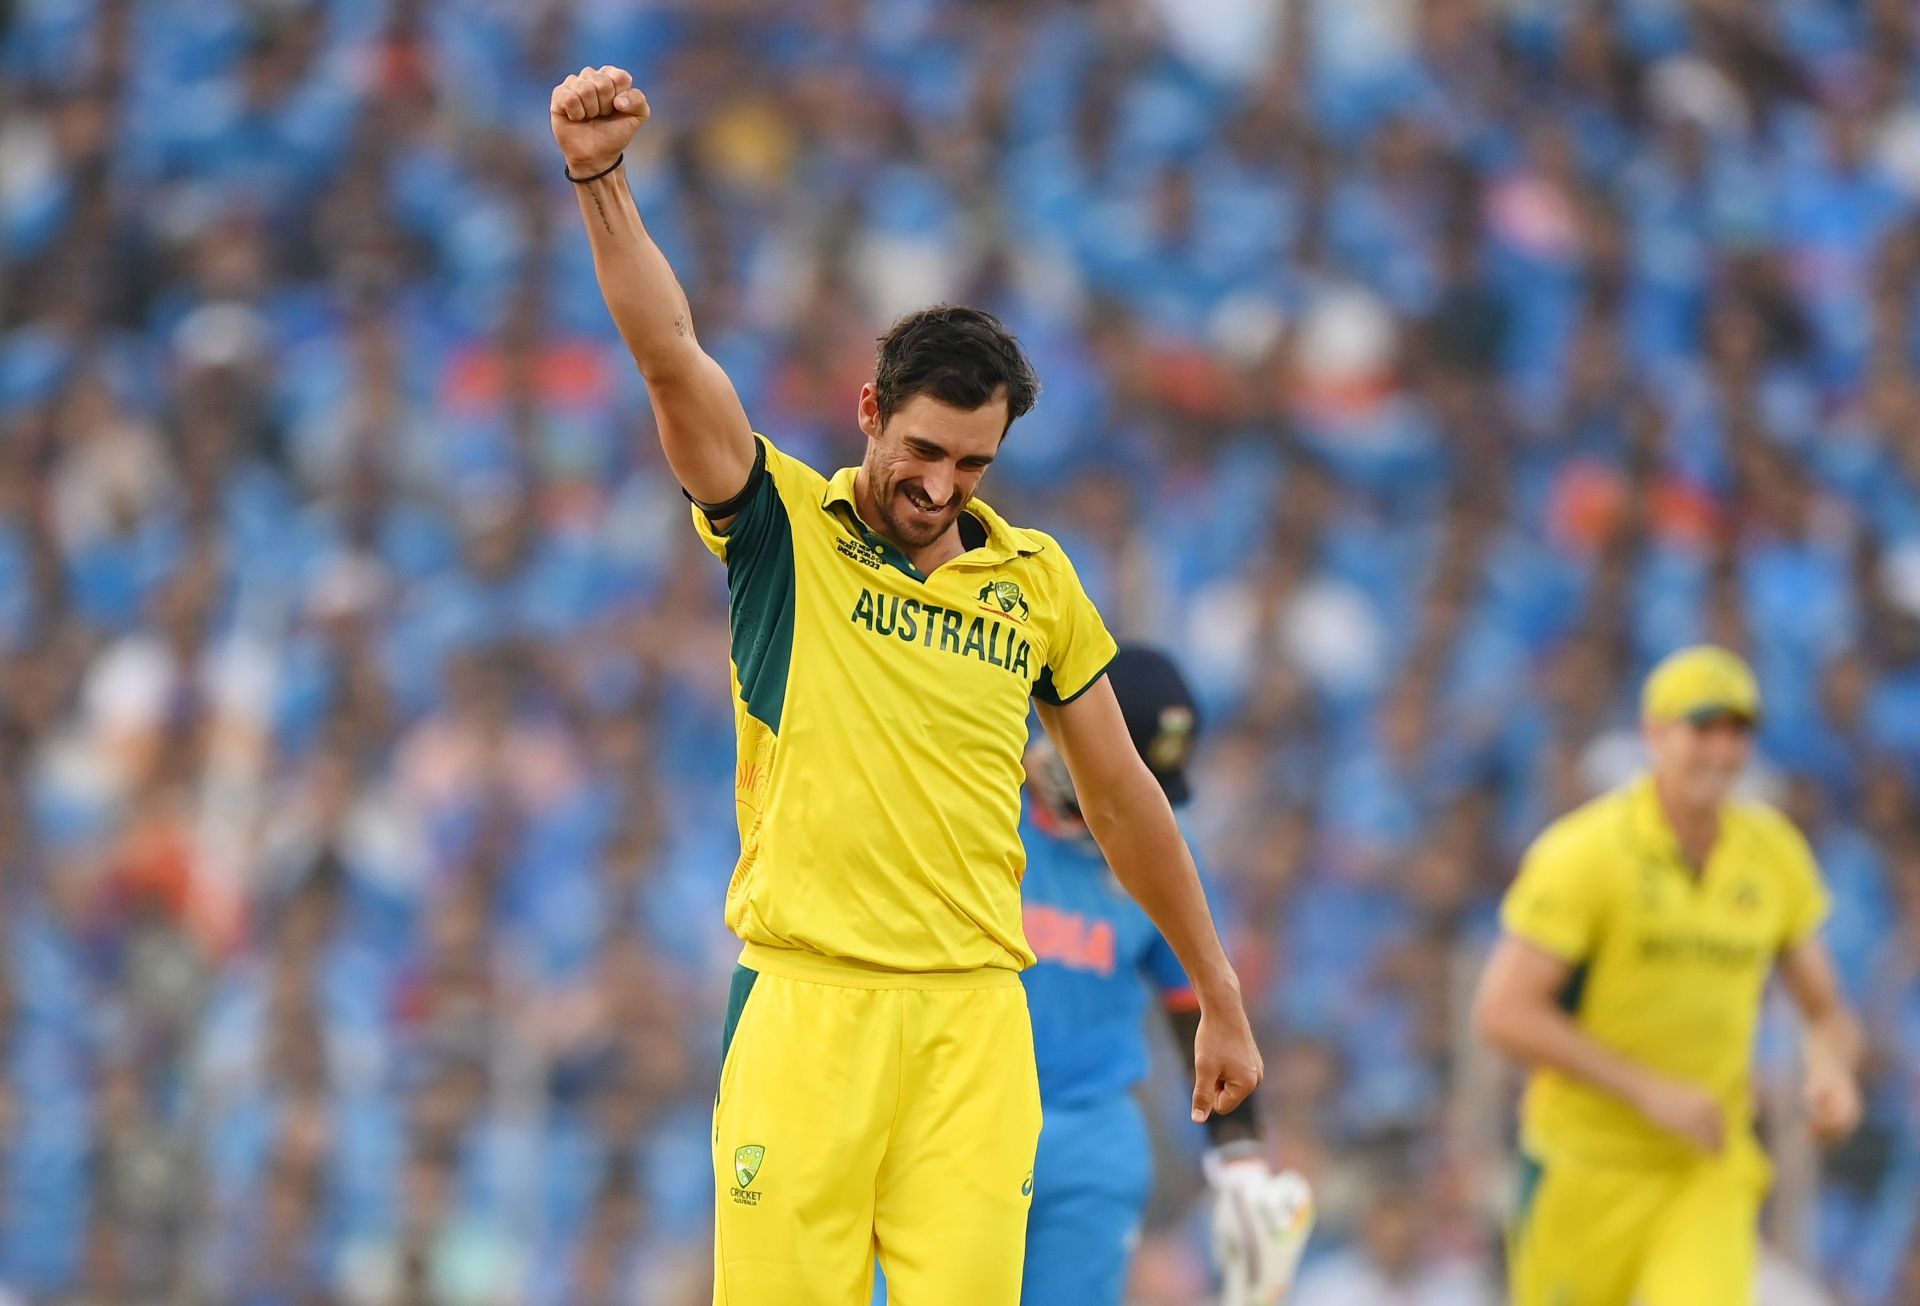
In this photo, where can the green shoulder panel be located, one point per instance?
(761, 590)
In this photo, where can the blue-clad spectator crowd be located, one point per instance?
(1416, 372)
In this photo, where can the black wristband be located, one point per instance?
(1229, 1128)
(732, 506)
(581, 181)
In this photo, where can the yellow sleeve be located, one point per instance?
(1558, 901)
(761, 525)
(1080, 646)
(1807, 900)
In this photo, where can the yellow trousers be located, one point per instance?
(866, 1114)
(1680, 1236)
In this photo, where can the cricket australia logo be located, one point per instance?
(746, 1163)
(746, 1166)
(1005, 596)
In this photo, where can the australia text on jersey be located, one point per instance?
(931, 625)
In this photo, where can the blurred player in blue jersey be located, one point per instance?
(1098, 957)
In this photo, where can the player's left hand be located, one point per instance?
(1832, 1097)
(1260, 1225)
(1226, 1061)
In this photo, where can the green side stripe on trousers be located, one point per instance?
(736, 1003)
(1531, 1173)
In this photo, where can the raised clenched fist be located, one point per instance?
(595, 113)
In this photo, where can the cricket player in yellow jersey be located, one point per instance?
(877, 1093)
(1638, 941)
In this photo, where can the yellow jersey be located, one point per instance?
(882, 719)
(1670, 965)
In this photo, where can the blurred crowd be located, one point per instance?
(1416, 371)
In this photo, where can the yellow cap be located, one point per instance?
(1698, 681)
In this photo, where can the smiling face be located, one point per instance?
(924, 463)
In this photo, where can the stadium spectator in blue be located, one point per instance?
(1099, 961)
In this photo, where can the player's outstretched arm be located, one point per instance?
(703, 429)
(1129, 817)
(1834, 1043)
(1517, 1012)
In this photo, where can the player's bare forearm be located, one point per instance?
(1832, 1030)
(637, 282)
(1834, 1042)
(1239, 1125)
(1837, 1035)
(1516, 1012)
(703, 430)
(1129, 818)
(1540, 1036)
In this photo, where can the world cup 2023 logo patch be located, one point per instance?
(746, 1166)
(1004, 595)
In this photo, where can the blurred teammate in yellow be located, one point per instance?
(1638, 941)
(889, 634)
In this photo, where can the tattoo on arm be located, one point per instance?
(681, 326)
(600, 208)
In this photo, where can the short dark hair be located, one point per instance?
(958, 355)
